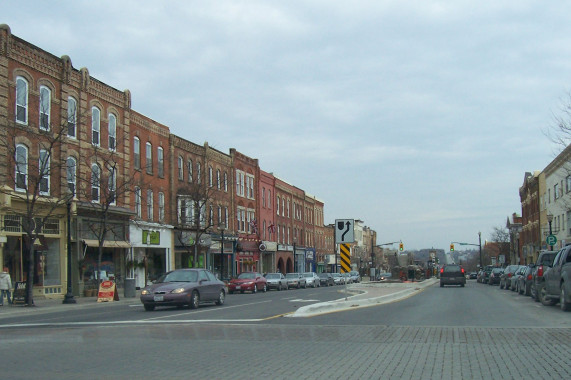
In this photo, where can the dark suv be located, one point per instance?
(544, 261)
(452, 275)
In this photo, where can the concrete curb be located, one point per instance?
(368, 294)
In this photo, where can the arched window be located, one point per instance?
(71, 117)
(95, 182)
(137, 153)
(138, 201)
(218, 178)
(180, 168)
(112, 132)
(161, 207)
(45, 103)
(150, 204)
(149, 158)
(161, 161)
(21, 100)
(189, 165)
(112, 184)
(95, 126)
(21, 167)
(71, 173)
(210, 176)
(44, 172)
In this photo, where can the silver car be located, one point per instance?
(339, 280)
(312, 279)
(276, 281)
(295, 280)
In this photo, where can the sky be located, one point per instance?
(419, 118)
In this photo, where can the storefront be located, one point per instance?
(187, 253)
(284, 258)
(220, 262)
(151, 252)
(310, 260)
(268, 251)
(247, 256)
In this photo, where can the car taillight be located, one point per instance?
(540, 271)
(509, 275)
(462, 270)
(441, 270)
(529, 276)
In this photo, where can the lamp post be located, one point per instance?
(222, 227)
(294, 258)
(480, 246)
(549, 220)
(69, 295)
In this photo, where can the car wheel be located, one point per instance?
(520, 290)
(565, 306)
(287, 287)
(265, 288)
(255, 289)
(149, 307)
(501, 285)
(305, 285)
(279, 287)
(221, 298)
(194, 300)
(298, 285)
(543, 297)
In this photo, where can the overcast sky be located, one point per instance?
(418, 117)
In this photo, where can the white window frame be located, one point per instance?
(210, 176)
(186, 204)
(189, 169)
(22, 100)
(44, 172)
(71, 175)
(160, 162)
(149, 157)
(218, 184)
(95, 126)
(71, 117)
(150, 205)
(21, 167)
(180, 162)
(138, 201)
(137, 153)
(112, 128)
(95, 183)
(161, 206)
(112, 184)
(198, 173)
(225, 182)
(45, 108)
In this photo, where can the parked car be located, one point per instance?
(326, 279)
(486, 274)
(384, 276)
(495, 276)
(480, 277)
(523, 285)
(182, 287)
(276, 281)
(514, 279)
(505, 280)
(544, 261)
(339, 280)
(295, 280)
(248, 282)
(557, 286)
(355, 276)
(312, 279)
(452, 274)
(347, 277)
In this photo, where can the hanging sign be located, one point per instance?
(107, 292)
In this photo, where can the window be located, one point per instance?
(270, 199)
(45, 102)
(150, 204)
(161, 207)
(44, 172)
(189, 166)
(263, 197)
(21, 101)
(568, 186)
(241, 219)
(556, 191)
(219, 214)
(95, 125)
(225, 182)
(211, 216)
(138, 201)
(240, 178)
(137, 153)
(21, 168)
(283, 206)
(210, 177)
(71, 174)
(226, 217)
(161, 161)
(288, 208)
(112, 184)
(95, 182)
(149, 158)
(278, 204)
(218, 178)
(112, 132)
(249, 186)
(198, 173)
(185, 210)
(180, 168)
(71, 117)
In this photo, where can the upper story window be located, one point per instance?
(185, 210)
(180, 168)
(250, 186)
(189, 168)
(218, 178)
(95, 126)
(71, 174)
(45, 102)
(21, 100)
(138, 201)
(71, 117)
(288, 208)
(149, 158)
(225, 182)
(198, 173)
(137, 153)
(264, 197)
(112, 184)
(161, 207)
(21, 167)
(210, 177)
(150, 204)
(161, 161)
(44, 172)
(270, 199)
(112, 132)
(240, 178)
(95, 182)
(278, 204)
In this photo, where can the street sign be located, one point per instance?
(551, 240)
(344, 231)
(345, 253)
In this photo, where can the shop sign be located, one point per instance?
(309, 255)
(107, 292)
(151, 237)
(19, 296)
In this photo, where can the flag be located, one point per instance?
(272, 228)
(254, 226)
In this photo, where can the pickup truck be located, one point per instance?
(558, 281)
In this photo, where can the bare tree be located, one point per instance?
(35, 173)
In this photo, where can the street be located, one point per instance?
(474, 332)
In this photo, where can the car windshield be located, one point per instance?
(247, 276)
(547, 259)
(179, 276)
(292, 275)
(273, 276)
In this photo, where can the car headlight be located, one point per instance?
(178, 290)
(144, 292)
(249, 283)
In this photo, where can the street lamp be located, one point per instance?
(69, 295)
(222, 227)
(549, 220)
(480, 245)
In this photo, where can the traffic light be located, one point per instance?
(401, 247)
(451, 247)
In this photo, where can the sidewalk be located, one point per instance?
(366, 294)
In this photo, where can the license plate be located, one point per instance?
(237, 287)
(158, 298)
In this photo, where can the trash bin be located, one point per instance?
(129, 289)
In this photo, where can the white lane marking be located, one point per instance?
(140, 322)
(302, 300)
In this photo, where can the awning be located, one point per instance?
(107, 243)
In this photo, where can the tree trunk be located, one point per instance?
(30, 279)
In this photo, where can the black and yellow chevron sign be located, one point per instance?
(345, 251)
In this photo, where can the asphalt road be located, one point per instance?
(476, 332)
